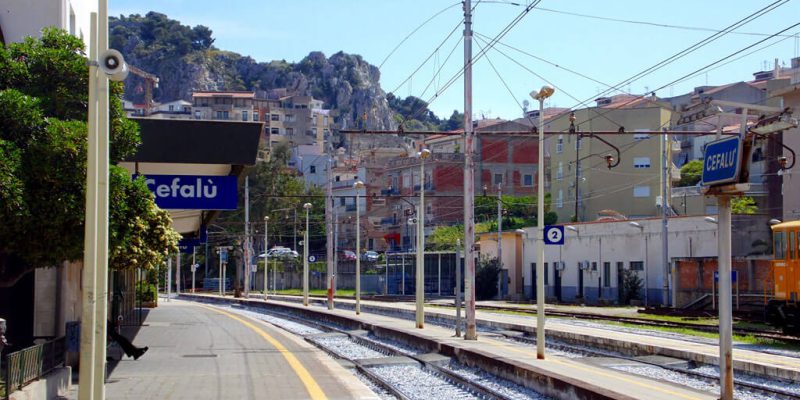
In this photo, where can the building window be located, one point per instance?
(606, 274)
(498, 179)
(275, 117)
(289, 118)
(198, 115)
(758, 154)
(275, 131)
(560, 144)
(255, 117)
(594, 265)
(312, 169)
(637, 265)
(171, 108)
(289, 131)
(560, 199)
(641, 162)
(325, 121)
(560, 171)
(527, 180)
(244, 116)
(641, 191)
(546, 273)
(341, 201)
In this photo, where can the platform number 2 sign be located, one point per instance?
(554, 234)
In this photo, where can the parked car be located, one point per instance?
(282, 252)
(370, 256)
(347, 255)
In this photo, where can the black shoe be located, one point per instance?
(140, 353)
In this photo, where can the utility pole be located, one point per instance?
(458, 287)
(329, 224)
(577, 165)
(469, 179)
(266, 258)
(246, 236)
(500, 237)
(89, 271)
(665, 204)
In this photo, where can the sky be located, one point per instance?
(587, 45)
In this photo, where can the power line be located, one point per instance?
(415, 31)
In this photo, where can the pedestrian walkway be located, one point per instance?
(200, 352)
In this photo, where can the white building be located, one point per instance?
(22, 18)
(588, 267)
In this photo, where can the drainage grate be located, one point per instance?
(200, 355)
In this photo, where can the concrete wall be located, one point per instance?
(22, 18)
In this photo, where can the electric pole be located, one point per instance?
(246, 236)
(469, 180)
(329, 223)
(500, 238)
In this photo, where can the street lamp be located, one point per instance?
(545, 92)
(266, 257)
(644, 256)
(357, 186)
(307, 206)
(423, 154)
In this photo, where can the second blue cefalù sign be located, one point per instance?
(193, 192)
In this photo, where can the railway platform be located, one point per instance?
(556, 376)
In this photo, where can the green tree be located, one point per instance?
(743, 205)
(486, 277)
(691, 173)
(43, 97)
(443, 238)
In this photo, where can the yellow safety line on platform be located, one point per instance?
(311, 385)
(600, 372)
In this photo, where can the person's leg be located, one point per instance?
(128, 347)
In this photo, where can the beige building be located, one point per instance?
(224, 106)
(297, 119)
(22, 18)
(580, 180)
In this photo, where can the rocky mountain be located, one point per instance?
(185, 60)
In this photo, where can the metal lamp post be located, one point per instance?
(543, 93)
(420, 313)
(266, 257)
(307, 206)
(357, 186)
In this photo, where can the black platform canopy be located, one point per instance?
(194, 147)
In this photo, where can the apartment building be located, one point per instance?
(224, 106)
(297, 119)
(582, 186)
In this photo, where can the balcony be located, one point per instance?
(428, 187)
(390, 192)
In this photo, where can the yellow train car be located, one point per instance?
(783, 310)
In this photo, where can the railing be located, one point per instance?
(27, 365)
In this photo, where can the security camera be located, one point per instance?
(112, 63)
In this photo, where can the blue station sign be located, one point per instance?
(722, 161)
(193, 192)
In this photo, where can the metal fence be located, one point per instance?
(27, 365)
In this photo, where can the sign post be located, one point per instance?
(722, 167)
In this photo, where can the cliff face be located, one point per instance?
(185, 61)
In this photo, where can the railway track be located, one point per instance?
(761, 334)
(652, 323)
(748, 386)
(463, 383)
(741, 384)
